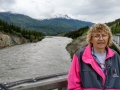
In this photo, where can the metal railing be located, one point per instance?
(49, 82)
(116, 39)
(116, 42)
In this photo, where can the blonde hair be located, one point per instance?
(96, 28)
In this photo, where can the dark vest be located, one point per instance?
(90, 79)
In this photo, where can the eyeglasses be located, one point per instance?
(98, 36)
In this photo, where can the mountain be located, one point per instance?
(62, 16)
(51, 26)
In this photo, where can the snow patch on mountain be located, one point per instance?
(62, 16)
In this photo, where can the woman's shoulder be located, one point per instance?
(80, 51)
(116, 53)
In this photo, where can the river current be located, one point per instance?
(30, 60)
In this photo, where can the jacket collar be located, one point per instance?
(87, 55)
(89, 59)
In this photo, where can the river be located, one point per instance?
(30, 60)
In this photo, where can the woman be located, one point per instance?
(96, 67)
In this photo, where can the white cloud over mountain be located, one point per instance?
(86, 10)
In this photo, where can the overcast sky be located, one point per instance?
(97, 11)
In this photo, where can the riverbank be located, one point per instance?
(76, 44)
(10, 40)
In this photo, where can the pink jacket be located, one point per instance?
(74, 79)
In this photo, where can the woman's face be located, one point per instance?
(99, 40)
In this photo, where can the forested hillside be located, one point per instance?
(76, 33)
(115, 26)
(53, 26)
(11, 29)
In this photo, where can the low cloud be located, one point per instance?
(5, 5)
(87, 10)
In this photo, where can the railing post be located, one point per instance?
(115, 38)
(63, 88)
(119, 40)
(59, 88)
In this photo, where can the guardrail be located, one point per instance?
(49, 82)
(116, 42)
(116, 39)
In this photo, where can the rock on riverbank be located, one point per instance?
(76, 44)
(10, 40)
